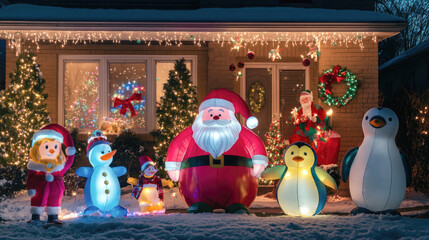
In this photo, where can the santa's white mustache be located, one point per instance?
(212, 122)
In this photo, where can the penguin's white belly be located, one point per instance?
(105, 189)
(377, 176)
(297, 193)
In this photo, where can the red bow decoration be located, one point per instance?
(328, 78)
(127, 104)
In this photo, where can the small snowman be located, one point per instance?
(148, 188)
(102, 189)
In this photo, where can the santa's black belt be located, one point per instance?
(220, 162)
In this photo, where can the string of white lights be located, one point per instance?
(246, 39)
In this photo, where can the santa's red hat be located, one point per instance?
(145, 161)
(230, 100)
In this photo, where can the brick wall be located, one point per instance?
(347, 120)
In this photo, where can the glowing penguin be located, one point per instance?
(300, 191)
(102, 189)
(379, 172)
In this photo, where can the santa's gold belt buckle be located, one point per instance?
(216, 163)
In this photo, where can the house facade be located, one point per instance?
(97, 54)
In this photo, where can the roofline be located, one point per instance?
(404, 57)
(387, 27)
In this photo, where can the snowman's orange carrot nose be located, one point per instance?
(108, 156)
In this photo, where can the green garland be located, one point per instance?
(257, 97)
(337, 74)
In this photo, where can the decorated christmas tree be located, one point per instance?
(275, 144)
(83, 112)
(176, 111)
(22, 110)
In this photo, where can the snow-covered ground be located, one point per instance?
(331, 224)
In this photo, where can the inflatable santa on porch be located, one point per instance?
(307, 120)
(217, 161)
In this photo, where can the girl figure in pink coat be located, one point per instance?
(217, 160)
(46, 167)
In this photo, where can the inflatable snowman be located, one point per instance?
(102, 189)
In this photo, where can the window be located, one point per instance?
(81, 94)
(89, 85)
(124, 80)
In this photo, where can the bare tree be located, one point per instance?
(416, 14)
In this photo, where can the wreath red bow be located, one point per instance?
(329, 78)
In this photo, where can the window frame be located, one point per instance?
(103, 67)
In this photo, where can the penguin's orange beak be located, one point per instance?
(377, 121)
(108, 156)
(298, 158)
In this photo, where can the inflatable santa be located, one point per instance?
(217, 161)
(308, 118)
(46, 167)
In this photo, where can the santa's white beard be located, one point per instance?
(216, 136)
(306, 109)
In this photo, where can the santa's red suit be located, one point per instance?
(301, 127)
(49, 187)
(228, 179)
(219, 183)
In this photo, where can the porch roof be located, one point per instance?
(248, 19)
(421, 49)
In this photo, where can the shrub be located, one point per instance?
(12, 180)
(412, 138)
(129, 147)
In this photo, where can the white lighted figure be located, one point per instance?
(378, 171)
(301, 190)
(102, 189)
(148, 188)
(47, 166)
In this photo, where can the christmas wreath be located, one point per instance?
(337, 74)
(256, 97)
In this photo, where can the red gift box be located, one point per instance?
(327, 152)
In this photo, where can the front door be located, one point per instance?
(264, 116)
(283, 82)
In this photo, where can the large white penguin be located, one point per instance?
(102, 189)
(379, 172)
